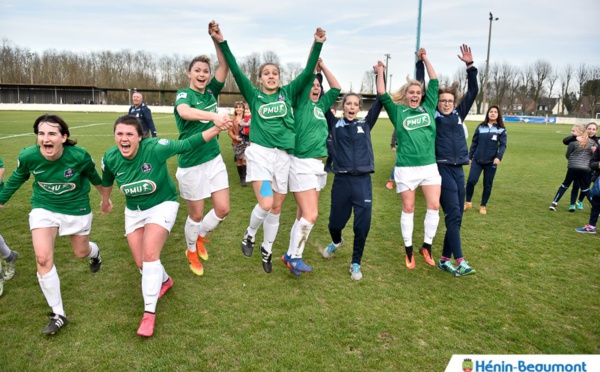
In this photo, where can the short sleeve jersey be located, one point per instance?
(415, 128)
(61, 186)
(206, 101)
(145, 179)
(311, 125)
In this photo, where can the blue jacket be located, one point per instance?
(487, 144)
(451, 136)
(143, 113)
(349, 143)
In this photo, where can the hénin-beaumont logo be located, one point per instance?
(525, 363)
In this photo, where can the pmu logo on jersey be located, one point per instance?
(416, 122)
(146, 168)
(69, 173)
(57, 188)
(319, 113)
(143, 187)
(273, 110)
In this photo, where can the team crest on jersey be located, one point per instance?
(181, 95)
(416, 122)
(319, 113)
(69, 173)
(359, 130)
(57, 188)
(273, 110)
(143, 187)
(163, 141)
(281, 97)
(146, 168)
(209, 91)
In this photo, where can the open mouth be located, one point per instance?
(48, 148)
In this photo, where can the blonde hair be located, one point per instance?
(581, 132)
(399, 96)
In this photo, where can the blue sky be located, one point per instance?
(358, 32)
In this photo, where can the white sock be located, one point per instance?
(191, 233)
(256, 219)
(209, 223)
(270, 227)
(290, 250)
(432, 220)
(301, 236)
(406, 225)
(94, 250)
(50, 284)
(152, 273)
(165, 276)
(4, 250)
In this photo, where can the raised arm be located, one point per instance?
(380, 71)
(215, 33)
(222, 121)
(304, 77)
(472, 88)
(331, 80)
(430, 71)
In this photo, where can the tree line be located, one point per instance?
(516, 88)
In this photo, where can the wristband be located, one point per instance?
(469, 63)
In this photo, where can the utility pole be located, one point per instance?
(487, 63)
(387, 57)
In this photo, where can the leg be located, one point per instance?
(43, 245)
(362, 202)
(474, 174)
(489, 172)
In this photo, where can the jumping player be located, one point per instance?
(6, 253)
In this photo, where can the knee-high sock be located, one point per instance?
(299, 236)
(4, 250)
(407, 225)
(290, 250)
(165, 276)
(270, 227)
(209, 223)
(256, 219)
(94, 250)
(432, 220)
(50, 284)
(191, 233)
(152, 274)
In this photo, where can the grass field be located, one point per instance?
(535, 291)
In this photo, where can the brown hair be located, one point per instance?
(129, 120)
(203, 58)
(452, 89)
(63, 128)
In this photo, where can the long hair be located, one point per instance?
(399, 96)
(360, 100)
(581, 131)
(499, 121)
(63, 128)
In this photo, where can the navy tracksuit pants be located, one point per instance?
(489, 172)
(452, 200)
(347, 193)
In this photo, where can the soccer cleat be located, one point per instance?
(464, 269)
(10, 266)
(266, 260)
(95, 263)
(572, 208)
(247, 244)
(553, 206)
(146, 325)
(355, 273)
(468, 205)
(587, 229)
(165, 287)
(579, 205)
(410, 262)
(328, 251)
(195, 264)
(286, 259)
(482, 210)
(200, 248)
(447, 267)
(389, 185)
(299, 265)
(428, 259)
(56, 323)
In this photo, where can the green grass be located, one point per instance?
(535, 291)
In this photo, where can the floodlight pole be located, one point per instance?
(387, 68)
(418, 36)
(487, 62)
(391, 76)
(30, 59)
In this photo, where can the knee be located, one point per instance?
(275, 209)
(196, 216)
(311, 217)
(44, 260)
(222, 212)
(266, 204)
(408, 208)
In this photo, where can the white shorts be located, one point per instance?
(67, 224)
(409, 178)
(265, 164)
(307, 174)
(163, 215)
(200, 181)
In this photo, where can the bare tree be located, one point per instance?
(565, 81)
(292, 69)
(541, 70)
(552, 78)
(367, 85)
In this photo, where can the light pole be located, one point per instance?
(391, 76)
(387, 57)
(487, 62)
(30, 59)
(418, 36)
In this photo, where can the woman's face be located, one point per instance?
(127, 140)
(51, 140)
(269, 78)
(239, 110)
(315, 91)
(199, 76)
(413, 96)
(591, 130)
(446, 103)
(351, 107)
(493, 115)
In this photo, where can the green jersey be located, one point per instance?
(206, 101)
(145, 179)
(415, 128)
(61, 186)
(272, 117)
(311, 125)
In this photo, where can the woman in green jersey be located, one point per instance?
(60, 204)
(272, 141)
(6, 253)
(139, 167)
